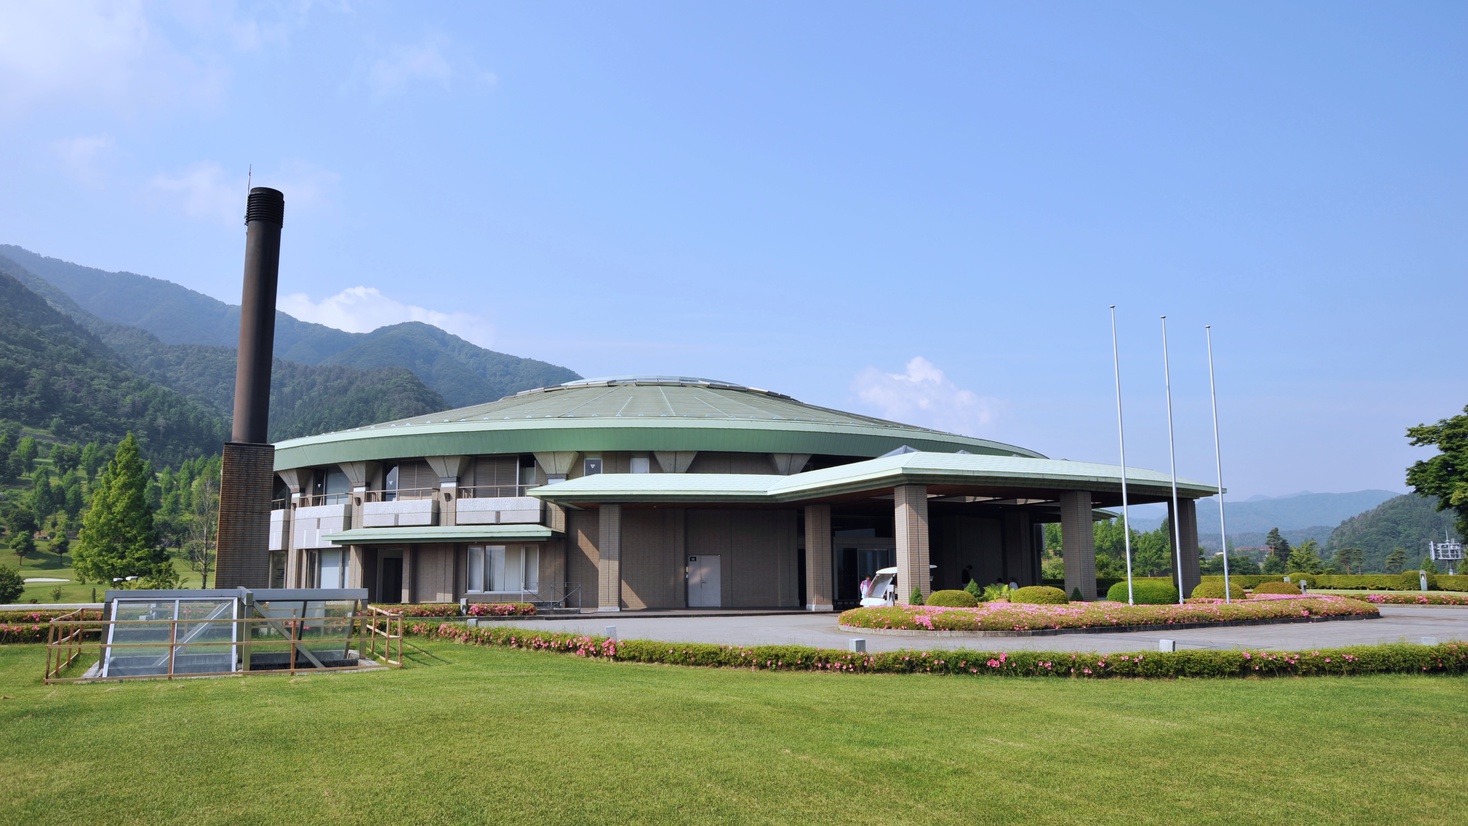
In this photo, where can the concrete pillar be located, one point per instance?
(911, 522)
(609, 570)
(1079, 543)
(818, 590)
(1186, 520)
(297, 480)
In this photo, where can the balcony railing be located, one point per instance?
(399, 495)
(492, 491)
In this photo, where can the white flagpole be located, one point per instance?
(1177, 535)
(1126, 525)
(1218, 460)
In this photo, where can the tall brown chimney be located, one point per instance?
(249, 459)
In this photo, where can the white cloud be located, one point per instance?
(433, 60)
(364, 309)
(81, 157)
(205, 190)
(107, 52)
(924, 396)
(132, 55)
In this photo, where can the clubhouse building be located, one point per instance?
(667, 493)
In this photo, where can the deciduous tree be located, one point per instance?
(1446, 474)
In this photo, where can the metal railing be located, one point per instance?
(399, 495)
(253, 645)
(492, 491)
(549, 595)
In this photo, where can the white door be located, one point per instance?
(703, 582)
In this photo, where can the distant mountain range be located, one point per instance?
(1299, 517)
(92, 355)
(460, 373)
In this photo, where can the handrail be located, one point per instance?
(492, 491)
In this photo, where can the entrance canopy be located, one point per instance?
(957, 477)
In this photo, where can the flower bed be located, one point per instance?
(501, 609)
(1011, 617)
(1411, 598)
(1402, 658)
(31, 626)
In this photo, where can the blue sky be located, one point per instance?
(919, 211)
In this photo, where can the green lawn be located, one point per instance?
(47, 564)
(468, 735)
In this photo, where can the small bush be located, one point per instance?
(998, 592)
(1075, 594)
(916, 597)
(1038, 595)
(952, 599)
(1214, 590)
(1276, 588)
(975, 590)
(1144, 592)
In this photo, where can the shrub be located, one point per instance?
(998, 592)
(1038, 595)
(11, 584)
(916, 597)
(1214, 590)
(975, 590)
(1276, 588)
(1393, 658)
(1075, 594)
(952, 599)
(1144, 592)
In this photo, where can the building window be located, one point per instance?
(333, 570)
(329, 487)
(591, 467)
(641, 464)
(503, 569)
(390, 484)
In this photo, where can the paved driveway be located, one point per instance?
(1398, 623)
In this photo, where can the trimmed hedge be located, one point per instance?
(1010, 617)
(1145, 592)
(1214, 590)
(1398, 658)
(1039, 595)
(952, 599)
(1280, 587)
(1418, 598)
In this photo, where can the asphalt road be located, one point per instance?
(1398, 623)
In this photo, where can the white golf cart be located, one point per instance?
(883, 590)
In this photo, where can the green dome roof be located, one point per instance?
(637, 413)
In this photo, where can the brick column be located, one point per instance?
(246, 482)
(818, 590)
(1079, 542)
(1186, 520)
(609, 569)
(911, 522)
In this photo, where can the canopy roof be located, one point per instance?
(974, 477)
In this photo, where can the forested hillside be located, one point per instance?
(59, 379)
(305, 399)
(461, 372)
(1406, 522)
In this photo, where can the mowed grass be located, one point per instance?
(473, 735)
(48, 564)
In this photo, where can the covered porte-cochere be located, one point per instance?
(807, 539)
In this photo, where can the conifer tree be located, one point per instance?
(119, 538)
